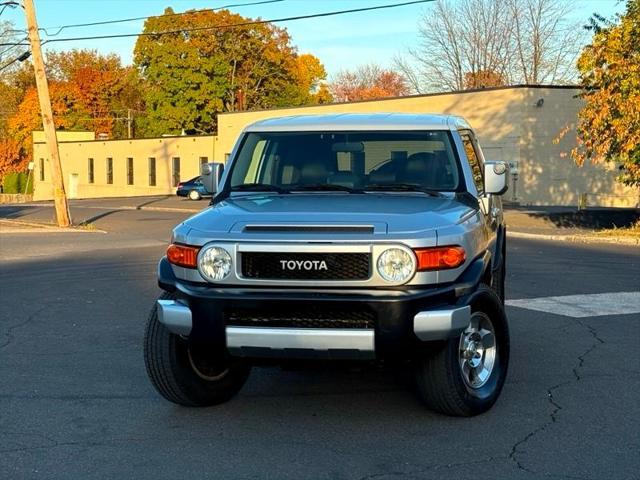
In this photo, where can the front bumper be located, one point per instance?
(403, 319)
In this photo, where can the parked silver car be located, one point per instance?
(345, 238)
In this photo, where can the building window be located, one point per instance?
(109, 170)
(474, 162)
(42, 169)
(90, 171)
(152, 172)
(129, 171)
(204, 160)
(176, 171)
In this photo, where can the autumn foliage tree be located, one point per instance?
(88, 92)
(367, 82)
(483, 79)
(191, 76)
(608, 126)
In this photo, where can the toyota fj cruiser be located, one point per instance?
(373, 238)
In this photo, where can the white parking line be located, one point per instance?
(580, 306)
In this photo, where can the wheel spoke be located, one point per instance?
(482, 374)
(487, 338)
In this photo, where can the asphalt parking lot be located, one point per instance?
(75, 401)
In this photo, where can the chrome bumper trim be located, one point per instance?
(175, 316)
(360, 342)
(441, 324)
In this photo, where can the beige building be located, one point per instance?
(515, 124)
(119, 168)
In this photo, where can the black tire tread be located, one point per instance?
(156, 354)
(161, 357)
(436, 376)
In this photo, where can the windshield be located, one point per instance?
(345, 161)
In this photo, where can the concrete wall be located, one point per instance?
(75, 155)
(65, 136)
(547, 175)
(510, 126)
(495, 113)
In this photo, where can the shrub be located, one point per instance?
(17, 182)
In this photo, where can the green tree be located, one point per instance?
(191, 76)
(609, 124)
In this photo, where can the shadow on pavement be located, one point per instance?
(590, 219)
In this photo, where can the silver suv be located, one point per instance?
(368, 238)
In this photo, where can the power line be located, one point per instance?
(241, 24)
(12, 47)
(5, 5)
(19, 58)
(133, 19)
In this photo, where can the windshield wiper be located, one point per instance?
(324, 187)
(257, 187)
(402, 187)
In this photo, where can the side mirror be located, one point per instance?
(211, 174)
(495, 177)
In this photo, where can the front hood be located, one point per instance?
(389, 214)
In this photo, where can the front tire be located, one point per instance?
(185, 375)
(464, 377)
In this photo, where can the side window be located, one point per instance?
(474, 161)
(175, 171)
(109, 170)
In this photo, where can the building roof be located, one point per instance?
(409, 97)
(358, 121)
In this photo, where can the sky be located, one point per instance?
(340, 42)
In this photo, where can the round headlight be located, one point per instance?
(214, 263)
(396, 265)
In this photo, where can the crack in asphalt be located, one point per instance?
(556, 406)
(9, 332)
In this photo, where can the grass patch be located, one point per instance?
(630, 232)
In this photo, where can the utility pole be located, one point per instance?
(59, 196)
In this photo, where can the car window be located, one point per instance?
(474, 161)
(351, 159)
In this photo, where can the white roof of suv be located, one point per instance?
(358, 121)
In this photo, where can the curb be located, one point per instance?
(117, 208)
(46, 226)
(575, 238)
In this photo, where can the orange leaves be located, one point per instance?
(609, 124)
(366, 83)
(482, 79)
(12, 158)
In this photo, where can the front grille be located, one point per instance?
(306, 266)
(302, 319)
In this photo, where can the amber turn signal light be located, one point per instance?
(439, 258)
(183, 255)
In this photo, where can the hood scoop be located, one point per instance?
(302, 228)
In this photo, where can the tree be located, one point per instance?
(103, 89)
(608, 126)
(11, 157)
(191, 76)
(307, 73)
(367, 82)
(88, 92)
(482, 79)
(480, 43)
